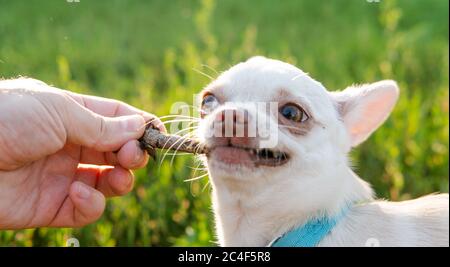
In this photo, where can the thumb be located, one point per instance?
(89, 129)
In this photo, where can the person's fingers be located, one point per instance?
(115, 182)
(88, 203)
(84, 205)
(131, 156)
(86, 128)
(110, 181)
(92, 156)
(114, 108)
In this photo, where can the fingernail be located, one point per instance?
(129, 182)
(133, 123)
(125, 183)
(158, 124)
(83, 191)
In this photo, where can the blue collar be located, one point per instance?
(310, 233)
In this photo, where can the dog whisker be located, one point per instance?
(202, 73)
(206, 185)
(181, 141)
(181, 120)
(179, 116)
(196, 178)
(211, 68)
(176, 150)
(197, 168)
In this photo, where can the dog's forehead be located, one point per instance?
(262, 79)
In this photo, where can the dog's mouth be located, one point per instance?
(234, 155)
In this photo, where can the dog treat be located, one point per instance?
(153, 138)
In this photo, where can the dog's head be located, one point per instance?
(267, 122)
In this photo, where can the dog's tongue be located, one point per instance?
(233, 155)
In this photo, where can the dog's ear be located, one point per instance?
(364, 108)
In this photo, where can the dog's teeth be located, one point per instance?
(258, 153)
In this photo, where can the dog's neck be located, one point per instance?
(254, 215)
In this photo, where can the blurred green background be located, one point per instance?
(145, 53)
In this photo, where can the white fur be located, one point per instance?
(253, 206)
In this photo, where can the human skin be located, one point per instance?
(62, 154)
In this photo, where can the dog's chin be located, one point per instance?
(238, 161)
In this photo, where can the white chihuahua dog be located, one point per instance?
(301, 187)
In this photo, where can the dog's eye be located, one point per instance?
(209, 103)
(294, 113)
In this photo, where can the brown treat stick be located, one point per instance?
(153, 138)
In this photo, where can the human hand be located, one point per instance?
(47, 135)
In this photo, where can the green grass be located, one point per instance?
(144, 53)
